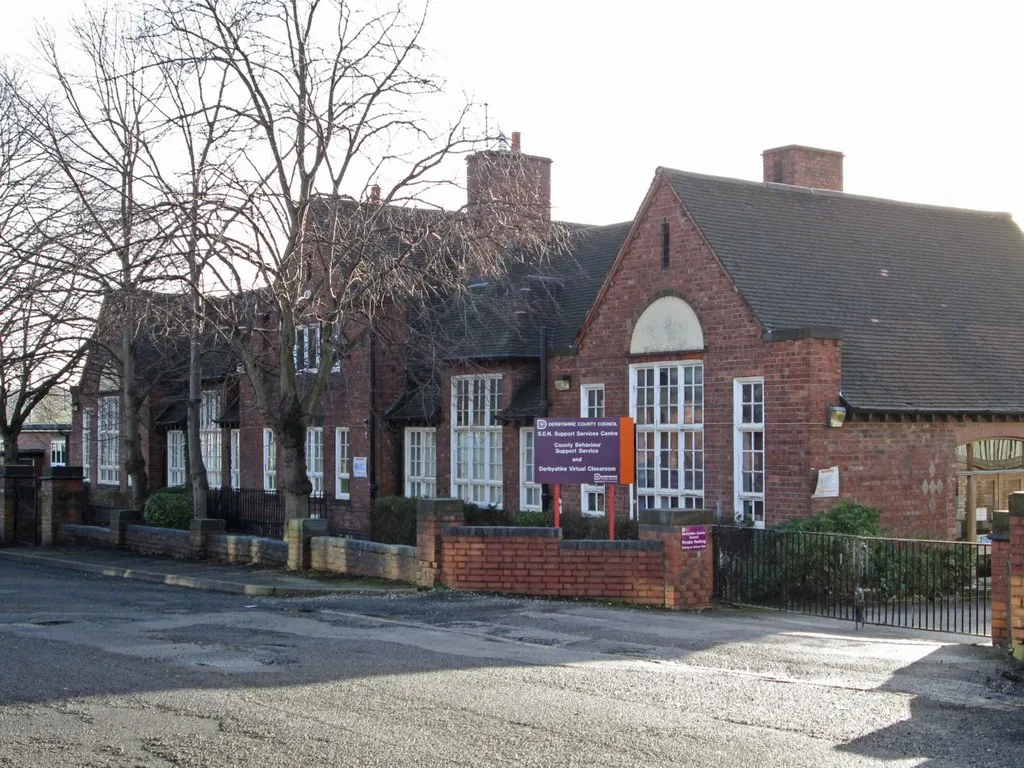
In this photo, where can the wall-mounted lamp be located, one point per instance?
(836, 415)
(562, 383)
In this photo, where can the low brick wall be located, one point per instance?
(157, 541)
(535, 561)
(354, 557)
(85, 535)
(232, 548)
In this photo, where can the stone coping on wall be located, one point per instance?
(618, 544)
(86, 531)
(508, 531)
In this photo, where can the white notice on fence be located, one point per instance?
(359, 466)
(828, 483)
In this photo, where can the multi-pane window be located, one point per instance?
(58, 453)
(592, 407)
(748, 471)
(315, 459)
(529, 491)
(421, 462)
(307, 348)
(235, 457)
(108, 434)
(175, 458)
(86, 445)
(210, 437)
(476, 437)
(269, 460)
(668, 405)
(342, 465)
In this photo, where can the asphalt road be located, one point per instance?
(102, 672)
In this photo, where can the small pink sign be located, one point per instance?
(695, 537)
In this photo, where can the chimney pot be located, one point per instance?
(516, 140)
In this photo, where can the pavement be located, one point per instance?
(251, 580)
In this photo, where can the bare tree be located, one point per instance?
(42, 336)
(201, 142)
(329, 225)
(101, 134)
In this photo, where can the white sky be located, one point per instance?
(922, 97)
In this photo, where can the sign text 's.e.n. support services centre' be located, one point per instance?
(584, 451)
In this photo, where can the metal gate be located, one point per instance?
(26, 512)
(914, 583)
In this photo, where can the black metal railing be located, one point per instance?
(914, 583)
(249, 511)
(255, 512)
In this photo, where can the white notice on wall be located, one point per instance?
(358, 466)
(828, 483)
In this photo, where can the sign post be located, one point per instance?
(592, 451)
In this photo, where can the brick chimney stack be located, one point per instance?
(804, 167)
(507, 187)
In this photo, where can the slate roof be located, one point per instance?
(420, 406)
(526, 401)
(503, 319)
(174, 414)
(928, 298)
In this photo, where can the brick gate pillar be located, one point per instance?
(689, 573)
(1008, 576)
(61, 500)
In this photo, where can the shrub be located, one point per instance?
(393, 520)
(846, 518)
(169, 508)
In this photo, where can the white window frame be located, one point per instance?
(476, 432)
(676, 445)
(592, 497)
(315, 460)
(58, 453)
(86, 444)
(235, 456)
(269, 461)
(421, 462)
(308, 349)
(211, 436)
(342, 463)
(108, 436)
(175, 458)
(530, 492)
(748, 496)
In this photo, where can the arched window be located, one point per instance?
(668, 324)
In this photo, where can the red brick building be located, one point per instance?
(758, 332)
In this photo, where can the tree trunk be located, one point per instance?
(196, 468)
(131, 443)
(10, 447)
(296, 485)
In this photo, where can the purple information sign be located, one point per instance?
(576, 451)
(695, 537)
